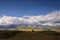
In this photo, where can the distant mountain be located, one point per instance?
(8, 26)
(45, 27)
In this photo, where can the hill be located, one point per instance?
(27, 35)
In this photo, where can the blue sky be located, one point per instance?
(28, 7)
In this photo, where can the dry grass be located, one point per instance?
(27, 35)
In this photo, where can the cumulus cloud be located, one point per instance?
(52, 18)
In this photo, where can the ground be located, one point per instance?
(28, 35)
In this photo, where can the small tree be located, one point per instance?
(32, 30)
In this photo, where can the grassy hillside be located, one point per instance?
(27, 35)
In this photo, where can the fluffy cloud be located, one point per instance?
(52, 18)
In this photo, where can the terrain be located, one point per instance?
(29, 35)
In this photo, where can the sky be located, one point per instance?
(28, 7)
(32, 12)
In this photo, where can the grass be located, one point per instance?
(29, 35)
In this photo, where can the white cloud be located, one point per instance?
(49, 19)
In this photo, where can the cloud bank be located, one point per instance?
(52, 18)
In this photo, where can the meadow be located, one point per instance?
(29, 35)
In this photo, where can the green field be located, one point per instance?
(27, 35)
